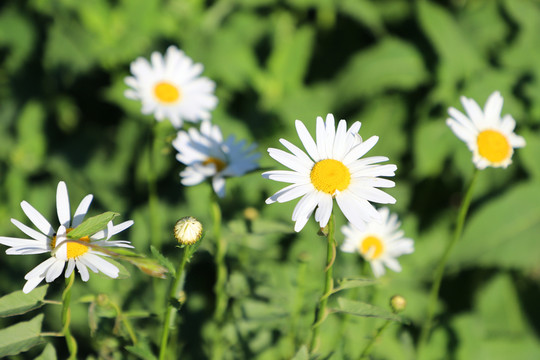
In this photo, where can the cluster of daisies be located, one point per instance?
(332, 167)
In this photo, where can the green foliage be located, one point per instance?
(18, 303)
(21, 337)
(92, 225)
(394, 65)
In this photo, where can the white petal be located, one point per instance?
(41, 269)
(307, 140)
(493, 107)
(62, 204)
(70, 267)
(360, 150)
(37, 219)
(102, 265)
(29, 231)
(81, 211)
(32, 283)
(54, 270)
(82, 270)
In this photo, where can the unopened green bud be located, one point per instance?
(188, 230)
(398, 303)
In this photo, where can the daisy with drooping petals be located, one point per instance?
(208, 156)
(171, 87)
(55, 242)
(491, 139)
(333, 170)
(380, 243)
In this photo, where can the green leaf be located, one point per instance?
(504, 232)
(92, 225)
(49, 353)
(18, 303)
(458, 58)
(29, 152)
(302, 354)
(390, 64)
(350, 283)
(142, 350)
(21, 337)
(363, 309)
(163, 260)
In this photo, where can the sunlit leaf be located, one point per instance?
(21, 337)
(363, 309)
(92, 225)
(18, 303)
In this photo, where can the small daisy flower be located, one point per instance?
(171, 87)
(206, 155)
(47, 240)
(491, 139)
(333, 170)
(380, 243)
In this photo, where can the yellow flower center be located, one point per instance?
(74, 250)
(166, 92)
(330, 175)
(493, 146)
(220, 164)
(371, 247)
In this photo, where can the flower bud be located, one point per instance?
(398, 303)
(188, 230)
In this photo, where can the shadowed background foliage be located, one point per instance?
(394, 65)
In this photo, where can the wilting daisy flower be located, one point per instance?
(208, 156)
(333, 169)
(491, 139)
(380, 243)
(61, 251)
(171, 87)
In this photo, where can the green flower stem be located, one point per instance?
(66, 318)
(173, 303)
(370, 344)
(221, 278)
(155, 233)
(320, 313)
(439, 272)
(125, 320)
(221, 249)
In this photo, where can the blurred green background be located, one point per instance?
(394, 65)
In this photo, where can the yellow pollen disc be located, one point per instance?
(74, 250)
(493, 146)
(166, 92)
(220, 164)
(369, 243)
(330, 175)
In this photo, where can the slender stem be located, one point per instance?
(439, 272)
(221, 278)
(172, 300)
(155, 228)
(66, 318)
(320, 313)
(125, 320)
(221, 249)
(369, 345)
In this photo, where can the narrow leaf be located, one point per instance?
(49, 353)
(92, 225)
(21, 337)
(359, 308)
(350, 283)
(302, 354)
(163, 260)
(141, 350)
(17, 303)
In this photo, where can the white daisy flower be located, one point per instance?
(47, 240)
(171, 87)
(208, 156)
(491, 139)
(380, 243)
(333, 169)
